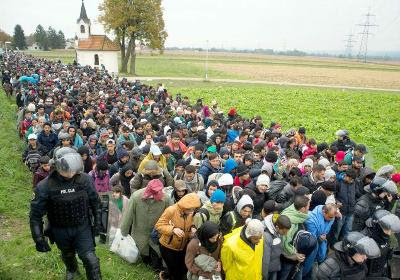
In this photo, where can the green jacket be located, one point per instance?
(142, 215)
(295, 218)
(214, 215)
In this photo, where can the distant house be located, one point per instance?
(94, 50)
(34, 47)
(70, 44)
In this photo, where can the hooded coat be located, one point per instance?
(296, 218)
(232, 219)
(206, 170)
(162, 163)
(174, 217)
(142, 214)
(239, 260)
(230, 164)
(272, 248)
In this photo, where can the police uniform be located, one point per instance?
(71, 206)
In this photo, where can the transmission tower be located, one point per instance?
(349, 45)
(362, 54)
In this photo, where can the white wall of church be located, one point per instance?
(108, 58)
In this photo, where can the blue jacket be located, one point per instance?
(232, 134)
(206, 170)
(317, 226)
(48, 141)
(230, 164)
(78, 142)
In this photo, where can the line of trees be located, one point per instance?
(50, 39)
(46, 39)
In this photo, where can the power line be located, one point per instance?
(349, 44)
(362, 54)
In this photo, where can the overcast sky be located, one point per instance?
(310, 25)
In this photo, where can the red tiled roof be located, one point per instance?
(97, 42)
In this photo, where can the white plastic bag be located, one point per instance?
(125, 247)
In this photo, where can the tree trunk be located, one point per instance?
(124, 64)
(132, 68)
(126, 58)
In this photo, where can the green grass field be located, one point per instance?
(309, 70)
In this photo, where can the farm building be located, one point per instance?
(94, 50)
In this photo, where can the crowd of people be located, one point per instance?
(205, 194)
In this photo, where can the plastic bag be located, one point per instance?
(125, 247)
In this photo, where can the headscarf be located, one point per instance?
(154, 190)
(125, 180)
(205, 232)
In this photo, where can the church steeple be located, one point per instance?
(83, 16)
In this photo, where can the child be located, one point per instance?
(42, 172)
(116, 207)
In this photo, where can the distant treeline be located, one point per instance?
(294, 52)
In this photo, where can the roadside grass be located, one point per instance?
(18, 257)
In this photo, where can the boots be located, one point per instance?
(92, 266)
(71, 265)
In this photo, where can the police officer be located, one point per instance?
(70, 201)
(380, 194)
(380, 227)
(348, 260)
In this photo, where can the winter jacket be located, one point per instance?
(317, 226)
(206, 170)
(48, 141)
(285, 197)
(197, 183)
(346, 194)
(162, 163)
(200, 217)
(232, 134)
(194, 249)
(272, 248)
(39, 175)
(174, 217)
(101, 184)
(296, 218)
(344, 145)
(78, 142)
(258, 200)
(232, 219)
(310, 183)
(142, 214)
(31, 157)
(241, 259)
(141, 180)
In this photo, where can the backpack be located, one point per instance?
(202, 211)
(275, 188)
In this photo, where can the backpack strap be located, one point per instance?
(232, 214)
(205, 212)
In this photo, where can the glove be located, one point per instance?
(43, 246)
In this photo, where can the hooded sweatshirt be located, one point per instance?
(230, 164)
(272, 247)
(297, 218)
(232, 219)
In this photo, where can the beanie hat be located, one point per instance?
(180, 162)
(329, 173)
(340, 156)
(324, 162)
(263, 179)
(396, 178)
(212, 149)
(308, 162)
(254, 228)
(136, 152)
(218, 196)
(180, 185)
(317, 198)
(225, 180)
(242, 170)
(271, 156)
(302, 130)
(44, 159)
(122, 153)
(232, 112)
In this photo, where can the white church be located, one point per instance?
(94, 50)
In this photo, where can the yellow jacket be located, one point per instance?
(239, 260)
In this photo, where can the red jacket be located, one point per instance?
(236, 182)
(308, 152)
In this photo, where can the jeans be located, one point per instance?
(344, 226)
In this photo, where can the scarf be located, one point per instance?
(154, 190)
